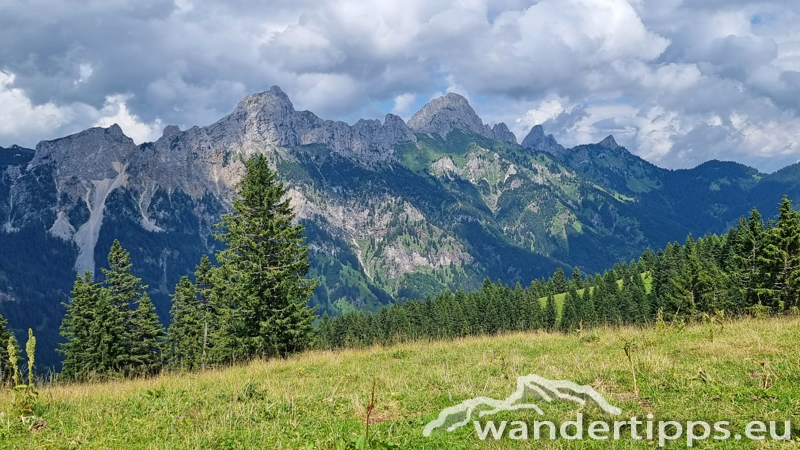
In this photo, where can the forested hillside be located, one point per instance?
(392, 212)
(753, 269)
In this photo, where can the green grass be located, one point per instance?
(314, 399)
(559, 298)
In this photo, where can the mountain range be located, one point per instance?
(392, 210)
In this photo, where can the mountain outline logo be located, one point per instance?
(528, 387)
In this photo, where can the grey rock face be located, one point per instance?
(500, 132)
(444, 114)
(608, 143)
(537, 140)
(90, 165)
(88, 155)
(269, 117)
(171, 130)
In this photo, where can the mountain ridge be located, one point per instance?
(392, 211)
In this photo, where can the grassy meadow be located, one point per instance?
(318, 400)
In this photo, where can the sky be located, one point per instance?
(676, 82)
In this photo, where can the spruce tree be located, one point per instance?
(108, 337)
(467, 311)
(612, 299)
(204, 279)
(641, 299)
(81, 357)
(560, 283)
(587, 313)
(550, 313)
(781, 259)
(124, 291)
(576, 278)
(518, 308)
(186, 328)
(146, 344)
(750, 242)
(532, 313)
(599, 300)
(691, 283)
(627, 304)
(263, 287)
(570, 310)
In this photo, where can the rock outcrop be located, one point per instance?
(536, 140)
(268, 119)
(446, 113)
(608, 143)
(88, 155)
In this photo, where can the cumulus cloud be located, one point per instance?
(20, 117)
(403, 103)
(676, 82)
(116, 111)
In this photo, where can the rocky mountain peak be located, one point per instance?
(272, 102)
(501, 133)
(537, 140)
(95, 154)
(448, 112)
(608, 143)
(269, 120)
(170, 130)
(536, 133)
(443, 114)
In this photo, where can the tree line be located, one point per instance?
(254, 301)
(754, 268)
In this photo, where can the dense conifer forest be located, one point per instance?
(754, 268)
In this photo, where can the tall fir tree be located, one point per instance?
(612, 298)
(560, 283)
(534, 315)
(781, 259)
(467, 312)
(263, 287)
(325, 333)
(550, 313)
(203, 283)
(747, 265)
(124, 290)
(577, 280)
(186, 328)
(108, 337)
(147, 339)
(519, 307)
(692, 283)
(569, 312)
(587, 313)
(627, 304)
(81, 356)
